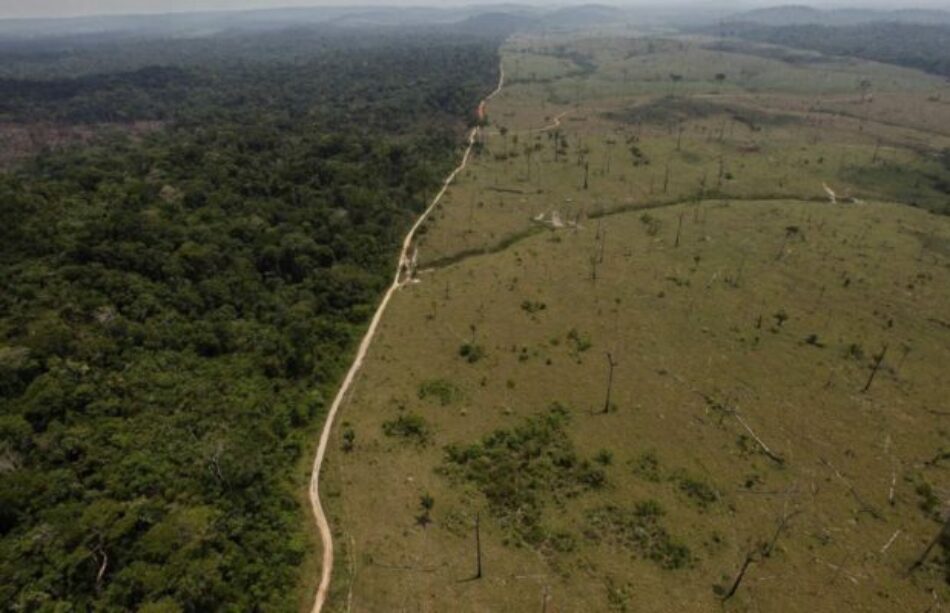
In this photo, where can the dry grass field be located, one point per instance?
(775, 361)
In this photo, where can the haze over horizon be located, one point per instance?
(18, 9)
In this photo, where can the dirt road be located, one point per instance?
(403, 274)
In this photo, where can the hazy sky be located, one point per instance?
(67, 8)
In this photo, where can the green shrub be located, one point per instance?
(699, 492)
(579, 342)
(471, 352)
(410, 426)
(349, 438)
(647, 466)
(532, 306)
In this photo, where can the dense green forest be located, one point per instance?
(926, 47)
(176, 307)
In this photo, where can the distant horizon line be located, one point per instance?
(669, 5)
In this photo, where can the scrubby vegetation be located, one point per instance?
(674, 110)
(410, 427)
(522, 470)
(639, 530)
(440, 390)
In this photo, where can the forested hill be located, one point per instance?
(176, 307)
(925, 47)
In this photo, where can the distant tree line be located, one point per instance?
(925, 47)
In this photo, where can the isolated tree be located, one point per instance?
(426, 503)
(674, 79)
(349, 438)
(611, 143)
(864, 86)
(528, 152)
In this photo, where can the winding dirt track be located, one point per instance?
(403, 274)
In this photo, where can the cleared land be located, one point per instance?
(742, 312)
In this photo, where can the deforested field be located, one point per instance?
(677, 340)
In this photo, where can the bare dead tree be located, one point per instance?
(610, 381)
(877, 365)
(943, 535)
(679, 227)
(724, 409)
(749, 559)
(863, 505)
(478, 546)
(763, 550)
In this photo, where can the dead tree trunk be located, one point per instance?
(610, 381)
(749, 559)
(478, 547)
(764, 550)
(679, 227)
(943, 534)
(877, 364)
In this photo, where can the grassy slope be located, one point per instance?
(684, 324)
